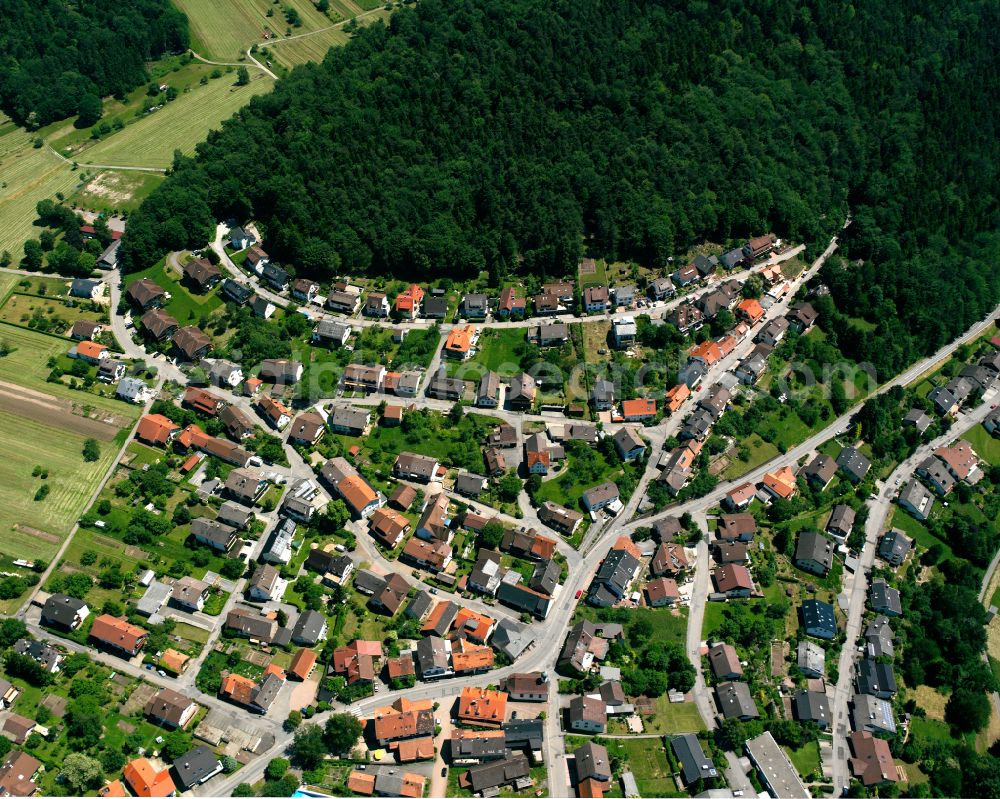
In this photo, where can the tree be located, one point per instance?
(176, 743)
(112, 760)
(90, 110)
(84, 722)
(229, 764)
(308, 746)
(27, 668)
(242, 76)
(293, 722)
(33, 255)
(91, 450)
(80, 772)
(243, 789)
(968, 710)
(233, 569)
(277, 768)
(341, 732)
(492, 534)
(509, 487)
(10, 631)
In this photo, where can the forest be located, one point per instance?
(59, 59)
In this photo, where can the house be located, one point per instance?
(477, 746)
(841, 522)
(408, 302)
(202, 274)
(417, 468)
(17, 774)
(884, 598)
(46, 656)
(274, 411)
(8, 694)
(238, 425)
(675, 397)
(726, 552)
(811, 659)
(118, 635)
(434, 523)
(488, 393)
(253, 696)
(510, 304)
(587, 714)
(960, 461)
(812, 706)
(392, 416)
(486, 778)
(307, 428)
(470, 485)
(155, 429)
(733, 580)
(679, 466)
(872, 763)
(661, 288)
(310, 628)
(602, 396)
(780, 484)
(431, 555)
(879, 638)
(686, 318)
(349, 421)
(537, 455)
(482, 707)
(443, 387)
(697, 426)
(434, 657)
(304, 290)
(732, 259)
(583, 645)
(191, 343)
(390, 594)
(475, 306)
(236, 292)
(814, 553)
(561, 519)
(276, 277)
(551, 335)
(752, 367)
(203, 401)
(197, 767)
(818, 619)
(761, 245)
(613, 578)
(628, 444)
(600, 496)
(695, 764)
(624, 295)
(685, 276)
(916, 499)
(639, 410)
(853, 464)
(240, 239)
(146, 294)
(262, 307)
(189, 593)
(820, 471)
(707, 352)
(225, 373)
(876, 679)
(220, 537)
(388, 526)
(486, 573)
(328, 333)
(773, 332)
(526, 599)
(526, 687)
(245, 486)
(740, 497)
(802, 317)
(110, 370)
(661, 592)
(278, 548)
(85, 329)
(495, 462)
(345, 302)
(992, 422)
(266, 584)
(280, 371)
(894, 547)
(256, 259)
(376, 304)
(356, 661)
(874, 715)
(89, 351)
(918, 419)
(670, 560)
(403, 497)
(545, 578)
(170, 708)
(245, 623)
(736, 527)
(145, 781)
(735, 701)
(596, 299)
(750, 310)
(725, 662)
(461, 342)
(522, 392)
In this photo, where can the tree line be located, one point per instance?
(59, 59)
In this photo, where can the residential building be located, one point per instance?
(197, 767)
(670, 560)
(814, 553)
(818, 619)
(525, 599)
(613, 578)
(736, 527)
(526, 687)
(602, 396)
(156, 430)
(820, 471)
(841, 522)
(212, 533)
(811, 659)
(600, 496)
(735, 701)
(725, 662)
(146, 294)
(488, 393)
(418, 468)
(733, 580)
(17, 774)
(310, 628)
(853, 464)
(170, 708)
(661, 592)
(773, 333)
(522, 392)
(482, 707)
(189, 594)
(280, 371)
(812, 706)
(884, 598)
(875, 678)
(563, 520)
(695, 764)
(916, 499)
(329, 332)
(776, 772)
(874, 715)
(629, 445)
(475, 306)
(461, 342)
(596, 299)
(191, 343)
(872, 763)
(145, 781)
(639, 410)
(587, 714)
(879, 638)
(118, 635)
(201, 274)
(894, 547)
(46, 656)
(158, 324)
(349, 421)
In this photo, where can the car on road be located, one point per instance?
(579, 593)
(444, 771)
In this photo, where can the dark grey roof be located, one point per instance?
(817, 615)
(894, 546)
(524, 599)
(875, 678)
(854, 463)
(511, 637)
(841, 520)
(735, 700)
(196, 766)
(62, 609)
(885, 598)
(467, 748)
(546, 577)
(309, 627)
(816, 547)
(691, 372)
(592, 762)
(368, 582)
(420, 605)
(616, 571)
(524, 733)
(470, 484)
(667, 528)
(918, 419)
(499, 772)
(812, 706)
(265, 693)
(694, 762)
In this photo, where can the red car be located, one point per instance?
(579, 593)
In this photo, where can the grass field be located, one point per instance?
(41, 526)
(985, 445)
(645, 757)
(19, 309)
(184, 306)
(179, 125)
(917, 531)
(292, 52)
(222, 30)
(27, 175)
(674, 717)
(805, 759)
(113, 192)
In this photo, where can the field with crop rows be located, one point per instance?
(27, 175)
(179, 125)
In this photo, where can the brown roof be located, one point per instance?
(303, 663)
(144, 291)
(735, 525)
(16, 774)
(191, 341)
(670, 558)
(401, 666)
(661, 588)
(18, 727)
(360, 782)
(167, 705)
(732, 577)
(238, 688)
(117, 632)
(158, 322)
(403, 496)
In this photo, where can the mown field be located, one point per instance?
(27, 175)
(223, 29)
(292, 52)
(35, 529)
(179, 125)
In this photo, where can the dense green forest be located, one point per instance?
(59, 58)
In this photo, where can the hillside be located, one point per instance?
(509, 135)
(61, 58)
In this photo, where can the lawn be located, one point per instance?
(179, 125)
(223, 29)
(184, 306)
(31, 529)
(57, 313)
(674, 717)
(645, 757)
(917, 531)
(760, 452)
(29, 175)
(498, 350)
(713, 618)
(805, 759)
(666, 626)
(568, 487)
(985, 445)
(928, 730)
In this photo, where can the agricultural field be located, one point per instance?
(57, 315)
(292, 52)
(34, 528)
(222, 30)
(27, 175)
(179, 125)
